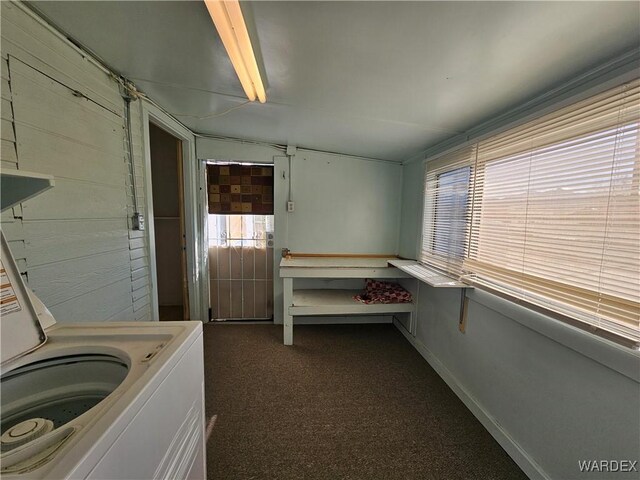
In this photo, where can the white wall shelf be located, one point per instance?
(18, 186)
(427, 275)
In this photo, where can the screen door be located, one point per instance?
(240, 244)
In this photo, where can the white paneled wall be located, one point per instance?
(138, 244)
(11, 220)
(8, 146)
(74, 243)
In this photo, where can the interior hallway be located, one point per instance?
(345, 402)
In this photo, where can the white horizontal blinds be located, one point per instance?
(620, 270)
(447, 207)
(556, 218)
(607, 109)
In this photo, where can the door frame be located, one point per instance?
(203, 235)
(205, 230)
(198, 306)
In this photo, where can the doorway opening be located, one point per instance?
(168, 218)
(240, 230)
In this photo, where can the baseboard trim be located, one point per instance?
(522, 459)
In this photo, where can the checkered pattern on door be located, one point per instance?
(240, 189)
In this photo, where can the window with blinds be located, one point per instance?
(551, 214)
(447, 210)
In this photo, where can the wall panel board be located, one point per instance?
(79, 139)
(97, 305)
(7, 130)
(55, 241)
(10, 220)
(79, 252)
(77, 199)
(124, 316)
(8, 152)
(69, 158)
(59, 282)
(26, 37)
(138, 241)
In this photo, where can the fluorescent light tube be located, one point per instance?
(228, 19)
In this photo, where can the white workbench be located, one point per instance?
(334, 302)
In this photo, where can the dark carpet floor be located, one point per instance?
(170, 312)
(345, 402)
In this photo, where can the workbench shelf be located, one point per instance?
(340, 302)
(328, 302)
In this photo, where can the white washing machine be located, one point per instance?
(95, 400)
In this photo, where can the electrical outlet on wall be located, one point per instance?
(138, 221)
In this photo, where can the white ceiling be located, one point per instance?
(377, 79)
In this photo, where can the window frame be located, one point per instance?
(435, 244)
(474, 192)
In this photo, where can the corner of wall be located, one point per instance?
(411, 212)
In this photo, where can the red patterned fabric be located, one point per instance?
(376, 291)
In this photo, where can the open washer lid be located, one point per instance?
(21, 328)
(23, 316)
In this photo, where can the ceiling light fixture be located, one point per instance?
(228, 19)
